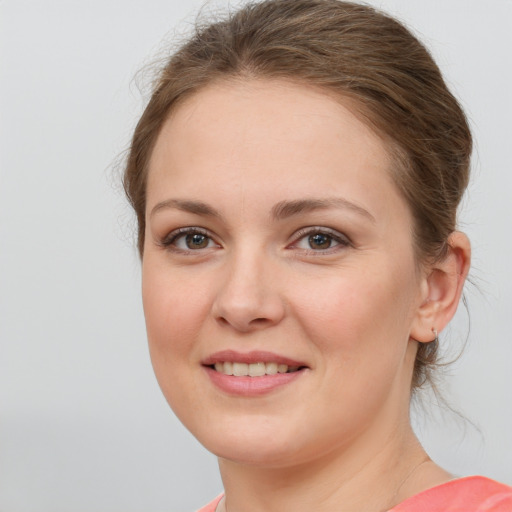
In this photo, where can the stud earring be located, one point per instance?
(436, 337)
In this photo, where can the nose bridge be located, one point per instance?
(249, 296)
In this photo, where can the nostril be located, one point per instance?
(244, 315)
(242, 324)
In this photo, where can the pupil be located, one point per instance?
(196, 241)
(320, 241)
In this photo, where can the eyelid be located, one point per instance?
(342, 239)
(168, 240)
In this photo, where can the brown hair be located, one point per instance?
(354, 52)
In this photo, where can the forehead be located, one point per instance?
(251, 136)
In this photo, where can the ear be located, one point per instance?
(441, 289)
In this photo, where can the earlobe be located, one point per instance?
(442, 287)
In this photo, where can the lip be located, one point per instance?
(255, 356)
(251, 386)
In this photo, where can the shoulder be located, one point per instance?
(469, 494)
(212, 505)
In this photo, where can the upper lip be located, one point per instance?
(254, 356)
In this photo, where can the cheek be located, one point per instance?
(174, 309)
(174, 313)
(353, 311)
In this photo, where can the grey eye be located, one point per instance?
(320, 241)
(196, 241)
(191, 240)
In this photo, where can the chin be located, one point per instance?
(262, 454)
(267, 441)
(251, 441)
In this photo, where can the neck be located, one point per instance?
(373, 471)
(372, 477)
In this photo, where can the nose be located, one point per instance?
(248, 298)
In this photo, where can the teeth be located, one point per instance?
(228, 368)
(225, 368)
(253, 369)
(271, 368)
(256, 369)
(240, 369)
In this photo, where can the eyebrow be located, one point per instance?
(280, 211)
(190, 206)
(285, 209)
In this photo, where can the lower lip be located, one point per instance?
(251, 386)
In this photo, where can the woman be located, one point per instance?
(296, 176)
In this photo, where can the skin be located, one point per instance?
(353, 310)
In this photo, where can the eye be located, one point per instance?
(189, 239)
(320, 240)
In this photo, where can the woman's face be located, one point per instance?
(277, 242)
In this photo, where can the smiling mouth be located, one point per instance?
(253, 369)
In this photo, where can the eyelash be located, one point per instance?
(342, 241)
(169, 242)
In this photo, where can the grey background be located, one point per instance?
(83, 425)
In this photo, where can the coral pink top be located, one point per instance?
(469, 494)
